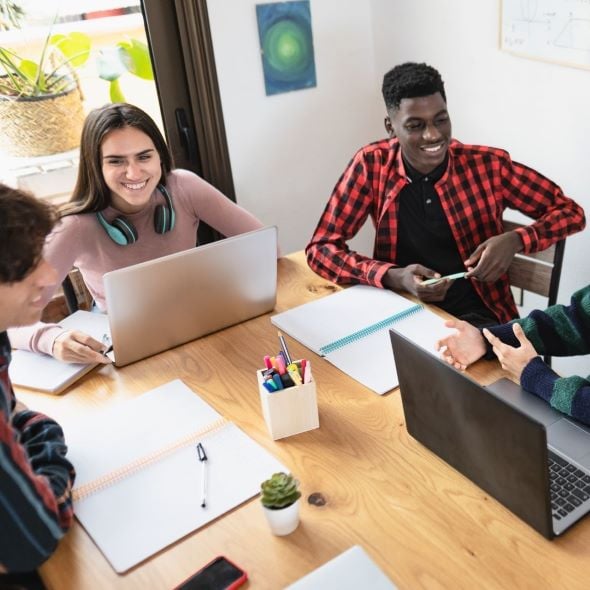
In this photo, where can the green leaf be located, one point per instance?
(29, 69)
(75, 47)
(115, 92)
(136, 57)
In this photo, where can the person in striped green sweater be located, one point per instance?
(558, 331)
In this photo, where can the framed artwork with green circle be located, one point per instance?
(286, 46)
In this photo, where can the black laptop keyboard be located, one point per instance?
(570, 486)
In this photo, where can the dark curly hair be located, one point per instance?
(409, 80)
(24, 224)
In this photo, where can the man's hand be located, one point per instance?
(513, 360)
(465, 346)
(491, 259)
(78, 347)
(408, 278)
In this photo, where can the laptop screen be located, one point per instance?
(496, 446)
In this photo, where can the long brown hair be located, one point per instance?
(91, 193)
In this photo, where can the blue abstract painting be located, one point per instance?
(286, 45)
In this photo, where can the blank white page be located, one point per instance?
(321, 322)
(370, 361)
(158, 504)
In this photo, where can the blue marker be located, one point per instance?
(270, 388)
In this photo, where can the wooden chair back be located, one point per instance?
(538, 272)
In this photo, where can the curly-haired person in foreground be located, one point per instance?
(436, 205)
(35, 476)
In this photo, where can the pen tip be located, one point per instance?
(203, 504)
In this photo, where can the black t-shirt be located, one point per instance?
(424, 237)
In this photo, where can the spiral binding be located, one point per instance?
(341, 342)
(118, 474)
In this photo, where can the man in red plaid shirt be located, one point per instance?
(436, 205)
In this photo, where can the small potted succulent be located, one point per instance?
(280, 501)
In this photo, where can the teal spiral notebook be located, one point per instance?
(350, 329)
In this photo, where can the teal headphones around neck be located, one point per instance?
(121, 230)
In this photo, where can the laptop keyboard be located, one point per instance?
(570, 486)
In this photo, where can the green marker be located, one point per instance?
(457, 275)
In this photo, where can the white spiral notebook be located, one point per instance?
(139, 481)
(350, 328)
(45, 373)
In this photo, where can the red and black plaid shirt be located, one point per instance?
(479, 184)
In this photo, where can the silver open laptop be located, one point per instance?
(159, 304)
(530, 457)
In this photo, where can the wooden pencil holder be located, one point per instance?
(291, 410)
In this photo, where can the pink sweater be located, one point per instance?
(79, 240)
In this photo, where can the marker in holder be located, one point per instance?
(292, 409)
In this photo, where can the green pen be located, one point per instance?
(457, 275)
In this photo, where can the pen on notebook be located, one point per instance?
(203, 459)
(106, 341)
(285, 349)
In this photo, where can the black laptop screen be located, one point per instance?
(496, 446)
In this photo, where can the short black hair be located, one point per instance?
(25, 222)
(409, 80)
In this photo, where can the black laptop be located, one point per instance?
(503, 448)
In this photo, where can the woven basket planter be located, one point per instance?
(41, 125)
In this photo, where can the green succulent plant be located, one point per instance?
(280, 491)
(61, 55)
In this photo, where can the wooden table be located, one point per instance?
(422, 522)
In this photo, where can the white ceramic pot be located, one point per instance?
(284, 520)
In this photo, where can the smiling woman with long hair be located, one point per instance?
(129, 205)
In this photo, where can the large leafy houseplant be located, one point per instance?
(40, 100)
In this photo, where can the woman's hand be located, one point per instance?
(77, 347)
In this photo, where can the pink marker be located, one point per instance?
(281, 364)
(307, 373)
(267, 362)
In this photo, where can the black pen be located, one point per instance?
(106, 341)
(203, 459)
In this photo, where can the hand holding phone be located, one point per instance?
(219, 574)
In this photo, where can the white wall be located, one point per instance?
(288, 150)
(537, 111)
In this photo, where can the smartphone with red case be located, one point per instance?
(219, 574)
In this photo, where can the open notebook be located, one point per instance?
(139, 480)
(45, 373)
(350, 328)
